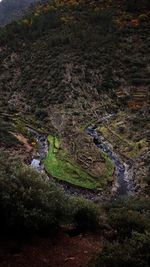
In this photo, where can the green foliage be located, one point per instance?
(141, 205)
(124, 222)
(27, 201)
(103, 17)
(86, 219)
(42, 23)
(132, 252)
(126, 215)
(41, 114)
(85, 215)
(6, 138)
(143, 18)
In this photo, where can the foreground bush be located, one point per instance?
(132, 252)
(86, 219)
(86, 215)
(124, 222)
(27, 201)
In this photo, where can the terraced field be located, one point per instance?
(61, 166)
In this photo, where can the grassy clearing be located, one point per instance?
(59, 165)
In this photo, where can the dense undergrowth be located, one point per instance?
(30, 204)
(130, 242)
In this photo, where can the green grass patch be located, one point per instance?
(60, 166)
(109, 168)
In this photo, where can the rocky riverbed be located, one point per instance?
(123, 184)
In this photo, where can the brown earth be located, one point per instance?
(65, 251)
(23, 140)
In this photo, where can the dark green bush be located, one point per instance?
(6, 137)
(27, 201)
(132, 252)
(86, 219)
(121, 129)
(124, 222)
(41, 114)
(103, 17)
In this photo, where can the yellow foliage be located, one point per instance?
(33, 143)
(25, 21)
(36, 14)
(62, 3)
(67, 19)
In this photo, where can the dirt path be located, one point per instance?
(65, 251)
(23, 140)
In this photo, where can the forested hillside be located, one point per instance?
(75, 135)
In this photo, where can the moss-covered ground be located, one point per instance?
(60, 166)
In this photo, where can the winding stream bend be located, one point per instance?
(37, 161)
(124, 170)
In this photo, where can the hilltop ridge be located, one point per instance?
(13, 9)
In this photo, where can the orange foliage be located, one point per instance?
(134, 105)
(135, 22)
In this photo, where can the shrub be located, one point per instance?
(132, 252)
(121, 129)
(143, 18)
(27, 201)
(41, 114)
(103, 17)
(86, 219)
(124, 222)
(141, 205)
(5, 134)
(147, 178)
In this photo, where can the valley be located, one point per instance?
(75, 134)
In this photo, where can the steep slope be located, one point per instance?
(69, 62)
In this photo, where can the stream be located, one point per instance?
(37, 161)
(123, 170)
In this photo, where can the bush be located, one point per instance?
(132, 252)
(27, 201)
(121, 129)
(103, 17)
(124, 222)
(5, 134)
(41, 114)
(143, 18)
(86, 219)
